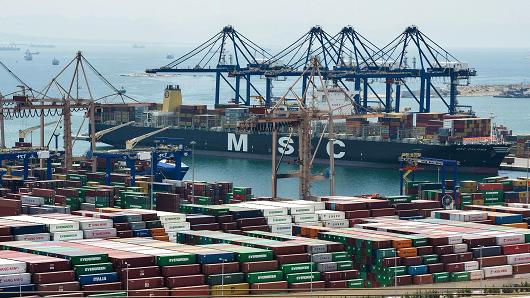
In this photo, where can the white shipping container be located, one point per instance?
(317, 248)
(40, 237)
(283, 219)
(454, 239)
(7, 280)
(518, 258)
(286, 229)
(497, 271)
(471, 265)
(67, 235)
(339, 223)
(309, 224)
(170, 216)
(476, 274)
(322, 258)
(305, 218)
(11, 267)
(318, 205)
(302, 210)
(509, 239)
(327, 266)
(30, 200)
(177, 226)
(522, 275)
(95, 224)
(460, 248)
(330, 215)
(100, 233)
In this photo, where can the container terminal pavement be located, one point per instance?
(74, 236)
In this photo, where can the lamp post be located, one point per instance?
(192, 143)
(527, 147)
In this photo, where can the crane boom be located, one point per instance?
(101, 133)
(130, 144)
(22, 133)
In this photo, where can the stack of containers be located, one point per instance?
(428, 124)
(355, 125)
(396, 125)
(23, 231)
(58, 229)
(14, 277)
(493, 193)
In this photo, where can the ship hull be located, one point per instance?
(484, 159)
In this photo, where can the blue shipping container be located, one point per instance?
(215, 258)
(418, 270)
(13, 291)
(99, 278)
(142, 233)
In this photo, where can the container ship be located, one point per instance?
(362, 140)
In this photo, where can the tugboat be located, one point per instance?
(55, 61)
(28, 56)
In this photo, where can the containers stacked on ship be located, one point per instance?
(234, 115)
(396, 125)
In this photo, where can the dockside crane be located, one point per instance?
(433, 61)
(22, 133)
(297, 120)
(59, 99)
(211, 57)
(130, 144)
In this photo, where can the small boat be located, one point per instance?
(28, 56)
(138, 46)
(55, 61)
(170, 56)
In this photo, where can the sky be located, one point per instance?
(271, 23)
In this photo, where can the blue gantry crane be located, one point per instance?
(224, 54)
(344, 57)
(165, 160)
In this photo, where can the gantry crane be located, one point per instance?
(22, 133)
(345, 57)
(130, 144)
(299, 119)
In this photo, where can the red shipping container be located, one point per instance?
(155, 292)
(193, 291)
(422, 279)
(515, 248)
(248, 267)
(185, 281)
(264, 288)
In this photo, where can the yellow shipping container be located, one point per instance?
(228, 290)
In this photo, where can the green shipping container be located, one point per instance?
(228, 278)
(93, 268)
(302, 277)
(440, 277)
(429, 259)
(459, 276)
(88, 259)
(356, 283)
(344, 265)
(265, 276)
(340, 256)
(176, 259)
(299, 267)
(385, 253)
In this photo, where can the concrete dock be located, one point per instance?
(519, 164)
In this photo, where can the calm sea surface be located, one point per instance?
(118, 62)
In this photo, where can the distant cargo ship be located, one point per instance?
(358, 142)
(515, 92)
(9, 47)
